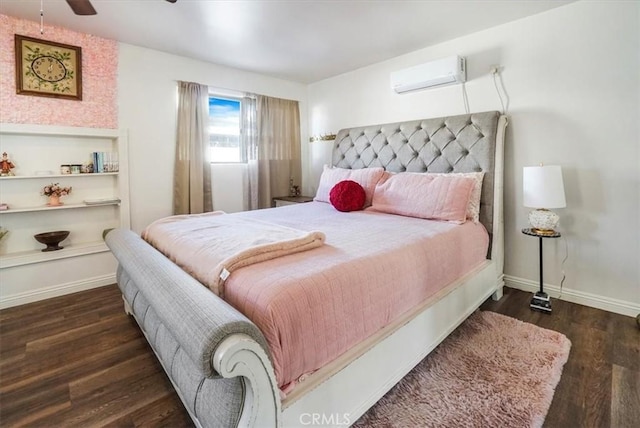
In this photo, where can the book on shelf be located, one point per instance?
(105, 162)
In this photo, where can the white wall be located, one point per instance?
(573, 76)
(147, 95)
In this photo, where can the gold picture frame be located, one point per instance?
(48, 69)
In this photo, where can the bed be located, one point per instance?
(227, 368)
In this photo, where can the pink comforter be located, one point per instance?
(315, 305)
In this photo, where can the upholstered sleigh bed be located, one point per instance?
(219, 360)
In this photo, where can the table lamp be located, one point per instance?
(543, 188)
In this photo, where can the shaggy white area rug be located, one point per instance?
(493, 371)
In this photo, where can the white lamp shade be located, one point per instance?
(543, 187)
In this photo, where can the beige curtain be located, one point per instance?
(276, 159)
(192, 178)
(249, 141)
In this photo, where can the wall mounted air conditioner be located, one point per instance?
(445, 71)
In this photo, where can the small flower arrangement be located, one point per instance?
(54, 189)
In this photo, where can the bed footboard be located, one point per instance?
(216, 358)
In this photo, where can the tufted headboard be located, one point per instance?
(465, 143)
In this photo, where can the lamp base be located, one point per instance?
(541, 302)
(543, 221)
(544, 232)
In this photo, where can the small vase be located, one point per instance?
(54, 201)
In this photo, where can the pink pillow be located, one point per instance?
(366, 177)
(435, 197)
(347, 196)
(473, 210)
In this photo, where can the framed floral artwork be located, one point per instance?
(48, 69)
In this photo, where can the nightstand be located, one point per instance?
(281, 201)
(541, 300)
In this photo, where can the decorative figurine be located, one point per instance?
(5, 166)
(292, 190)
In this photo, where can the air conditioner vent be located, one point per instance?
(445, 71)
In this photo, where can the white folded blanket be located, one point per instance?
(211, 246)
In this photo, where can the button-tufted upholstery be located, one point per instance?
(464, 143)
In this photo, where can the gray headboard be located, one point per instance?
(465, 143)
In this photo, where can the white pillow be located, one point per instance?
(366, 177)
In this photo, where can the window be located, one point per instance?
(224, 129)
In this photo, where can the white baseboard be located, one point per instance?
(55, 291)
(621, 307)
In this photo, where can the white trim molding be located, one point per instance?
(617, 306)
(56, 290)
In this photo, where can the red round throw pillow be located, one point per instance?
(347, 196)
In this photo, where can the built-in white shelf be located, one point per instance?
(58, 207)
(60, 131)
(38, 256)
(28, 177)
(38, 151)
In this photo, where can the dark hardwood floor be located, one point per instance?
(78, 360)
(600, 384)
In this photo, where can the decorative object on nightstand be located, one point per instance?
(294, 190)
(543, 188)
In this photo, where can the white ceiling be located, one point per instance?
(299, 40)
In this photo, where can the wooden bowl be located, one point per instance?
(52, 239)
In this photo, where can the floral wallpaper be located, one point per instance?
(99, 105)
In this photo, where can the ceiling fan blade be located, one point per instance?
(82, 7)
